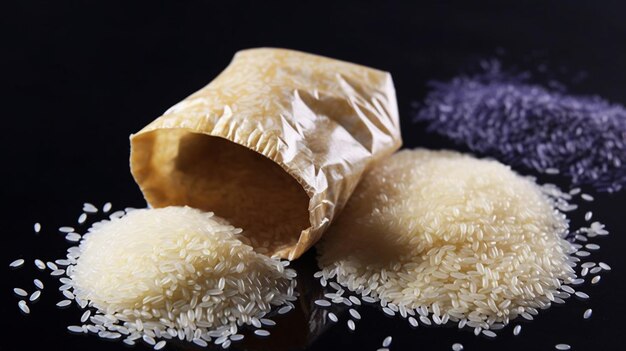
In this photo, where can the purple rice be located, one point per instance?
(531, 126)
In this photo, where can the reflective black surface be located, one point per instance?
(79, 77)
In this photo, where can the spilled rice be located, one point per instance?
(168, 273)
(440, 237)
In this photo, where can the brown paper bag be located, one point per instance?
(275, 144)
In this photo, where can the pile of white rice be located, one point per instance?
(445, 236)
(174, 272)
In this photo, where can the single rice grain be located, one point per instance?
(17, 263)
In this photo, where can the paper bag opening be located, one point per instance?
(214, 174)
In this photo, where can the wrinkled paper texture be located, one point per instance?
(323, 121)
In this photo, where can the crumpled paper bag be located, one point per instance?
(276, 144)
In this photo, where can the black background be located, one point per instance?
(80, 76)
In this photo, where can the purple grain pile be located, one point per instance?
(532, 126)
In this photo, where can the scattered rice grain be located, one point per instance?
(148, 339)
(23, 306)
(89, 208)
(40, 265)
(586, 197)
(368, 299)
(85, 316)
(581, 295)
(64, 303)
(262, 332)
(322, 303)
(17, 263)
(595, 270)
(35, 296)
(268, 322)
(75, 329)
(387, 341)
(351, 325)
(20, 292)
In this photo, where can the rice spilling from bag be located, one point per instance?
(174, 272)
(443, 233)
